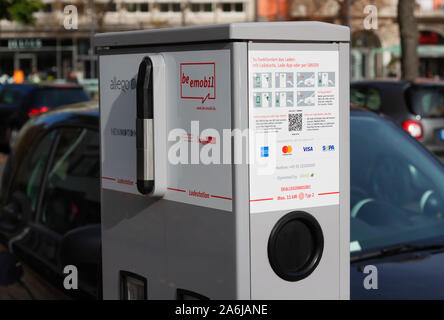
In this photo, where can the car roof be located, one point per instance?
(83, 114)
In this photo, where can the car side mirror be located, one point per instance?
(11, 270)
(81, 247)
(17, 211)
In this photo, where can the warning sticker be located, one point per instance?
(294, 137)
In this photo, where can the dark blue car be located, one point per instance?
(397, 208)
(397, 212)
(19, 102)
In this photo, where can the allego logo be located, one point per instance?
(198, 81)
(122, 84)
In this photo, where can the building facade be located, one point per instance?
(54, 50)
(376, 51)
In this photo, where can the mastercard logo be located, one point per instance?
(286, 149)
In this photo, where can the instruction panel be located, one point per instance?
(294, 129)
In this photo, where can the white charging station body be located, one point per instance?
(250, 161)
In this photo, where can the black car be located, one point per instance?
(19, 102)
(50, 211)
(50, 200)
(418, 107)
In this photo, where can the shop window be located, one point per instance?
(144, 7)
(131, 7)
(47, 8)
(230, 7)
(201, 7)
(226, 7)
(164, 7)
(239, 7)
(111, 7)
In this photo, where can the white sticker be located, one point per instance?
(355, 246)
(294, 142)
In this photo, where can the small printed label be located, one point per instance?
(294, 129)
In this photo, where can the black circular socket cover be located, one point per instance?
(295, 246)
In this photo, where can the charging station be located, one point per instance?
(225, 162)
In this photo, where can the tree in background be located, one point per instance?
(408, 31)
(19, 10)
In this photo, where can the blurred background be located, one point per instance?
(33, 38)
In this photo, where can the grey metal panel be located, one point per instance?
(174, 245)
(158, 240)
(344, 169)
(265, 31)
(239, 116)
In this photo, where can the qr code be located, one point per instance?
(295, 122)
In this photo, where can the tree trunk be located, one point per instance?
(408, 31)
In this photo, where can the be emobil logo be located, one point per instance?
(198, 81)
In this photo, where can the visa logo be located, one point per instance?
(308, 149)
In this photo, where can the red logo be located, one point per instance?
(198, 81)
(286, 149)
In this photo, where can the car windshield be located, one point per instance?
(428, 102)
(397, 187)
(54, 97)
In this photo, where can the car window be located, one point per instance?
(373, 99)
(427, 101)
(366, 97)
(396, 186)
(72, 191)
(29, 178)
(55, 97)
(357, 96)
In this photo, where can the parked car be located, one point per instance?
(417, 107)
(50, 198)
(50, 211)
(397, 212)
(19, 102)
